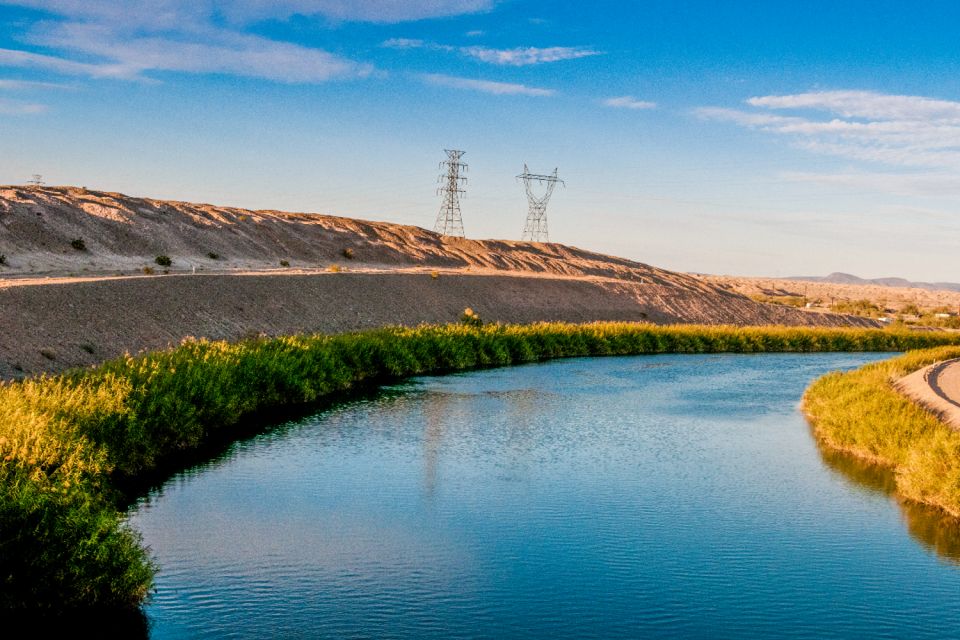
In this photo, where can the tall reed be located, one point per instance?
(67, 442)
(862, 413)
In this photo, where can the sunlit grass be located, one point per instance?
(860, 412)
(66, 441)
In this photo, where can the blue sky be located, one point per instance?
(755, 138)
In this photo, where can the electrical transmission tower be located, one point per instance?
(449, 220)
(36, 180)
(535, 230)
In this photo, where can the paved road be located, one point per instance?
(937, 387)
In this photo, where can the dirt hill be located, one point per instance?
(885, 296)
(66, 303)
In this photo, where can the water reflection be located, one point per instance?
(933, 529)
(665, 496)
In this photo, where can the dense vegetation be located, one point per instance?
(67, 442)
(860, 412)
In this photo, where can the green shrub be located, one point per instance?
(348, 253)
(67, 442)
(163, 261)
(284, 263)
(3, 259)
(470, 318)
(78, 244)
(213, 256)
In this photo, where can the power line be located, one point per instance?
(535, 229)
(449, 220)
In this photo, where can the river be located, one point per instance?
(651, 496)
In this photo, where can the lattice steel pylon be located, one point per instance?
(535, 230)
(449, 220)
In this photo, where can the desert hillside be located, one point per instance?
(80, 281)
(123, 235)
(822, 294)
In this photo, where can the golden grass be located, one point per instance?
(67, 442)
(861, 413)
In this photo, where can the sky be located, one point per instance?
(771, 138)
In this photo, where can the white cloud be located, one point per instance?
(16, 58)
(523, 56)
(629, 102)
(486, 86)
(17, 85)
(893, 130)
(17, 108)
(475, 33)
(382, 11)
(129, 40)
(218, 52)
(403, 43)
(864, 104)
(903, 184)
(516, 57)
(179, 14)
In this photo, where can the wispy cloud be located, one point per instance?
(486, 86)
(27, 85)
(129, 40)
(166, 14)
(902, 184)
(629, 102)
(16, 58)
(17, 108)
(131, 56)
(404, 43)
(864, 104)
(523, 56)
(515, 57)
(893, 130)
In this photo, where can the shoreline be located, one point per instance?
(69, 443)
(865, 413)
(55, 325)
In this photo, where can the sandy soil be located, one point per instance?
(62, 307)
(891, 298)
(937, 387)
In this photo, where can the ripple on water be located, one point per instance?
(666, 496)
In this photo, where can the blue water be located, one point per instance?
(659, 496)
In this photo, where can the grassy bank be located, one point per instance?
(861, 413)
(68, 442)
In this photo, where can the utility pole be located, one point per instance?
(449, 220)
(535, 230)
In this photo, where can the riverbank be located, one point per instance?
(863, 413)
(68, 442)
(51, 326)
(937, 387)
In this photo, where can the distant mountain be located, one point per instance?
(846, 278)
